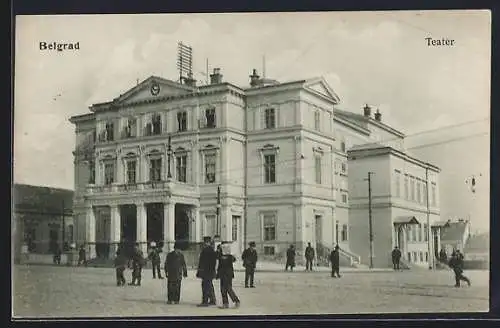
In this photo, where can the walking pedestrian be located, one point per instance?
(206, 272)
(154, 256)
(443, 258)
(309, 254)
(290, 258)
(175, 269)
(396, 257)
(249, 258)
(457, 265)
(137, 264)
(82, 256)
(57, 255)
(335, 260)
(225, 272)
(120, 265)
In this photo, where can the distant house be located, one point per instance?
(454, 235)
(38, 214)
(478, 247)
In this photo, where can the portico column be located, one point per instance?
(115, 230)
(142, 225)
(168, 226)
(403, 246)
(195, 224)
(90, 232)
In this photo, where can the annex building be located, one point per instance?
(149, 163)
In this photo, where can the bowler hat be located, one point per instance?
(252, 243)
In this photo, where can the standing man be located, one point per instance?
(309, 257)
(137, 264)
(175, 270)
(120, 265)
(154, 256)
(206, 272)
(396, 257)
(249, 258)
(457, 265)
(335, 259)
(225, 272)
(290, 258)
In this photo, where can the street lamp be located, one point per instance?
(218, 211)
(337, 232)
(169, 155)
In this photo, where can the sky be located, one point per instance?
(438, 96)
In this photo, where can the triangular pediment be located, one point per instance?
(152, 88)
(320, 86)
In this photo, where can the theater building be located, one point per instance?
(149, 162)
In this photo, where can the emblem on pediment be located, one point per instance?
(155, 89)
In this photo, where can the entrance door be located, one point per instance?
(182, 223)
(53, 238)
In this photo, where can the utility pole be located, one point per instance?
(370, 223)
(337, 232)
(63, 227)
(429, 248)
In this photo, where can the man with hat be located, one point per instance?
(206, 272)
(335, 259)
(154, 256)
(225, 272)
(249, 258)
(175, 270)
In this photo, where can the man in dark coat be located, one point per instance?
(457, 265)
(175, 270)
(309, 254)
(206, 272)
(290, 258)
(442, 256)
(249, 258)
(396, 257)
(335, 259)
(225, 272)
(82, 256)
(154, 256)
(137, 262)
(120, 265)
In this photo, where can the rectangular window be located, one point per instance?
(342, 146)
(210, 168)
(182, 121)
(131, 172)
(210, 117)
(412, 189)
(270, 118)
(344, 198)
(343, 168)
(71, 233)
(336, 166)
(269, 227)
(156, 124)
(409, 234)
(317, 167)
(397, 184)
(425, 194)
(406, 188)
(270, 168)
(419, 194)
(155, 169)
(91, 172)
(109, 131)
(433, 194)
(234, 228)
(269, 250)
(130, 128)
(414, 231)
(181, 166)
(109, 173)
(316, 121)
(426, 236)
(344, 232)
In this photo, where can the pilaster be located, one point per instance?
(115, 229)
(90, 232)
(168, 226)
(142, 231)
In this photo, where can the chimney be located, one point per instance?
(367, 111)
(254, 78)
(190, 81)
(216, 76)
(378, 116)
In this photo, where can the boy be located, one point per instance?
(225, 272)
(120, 265)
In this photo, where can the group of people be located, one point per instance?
(456, 263)
(309, 255)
